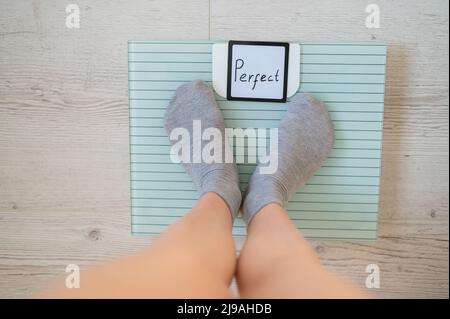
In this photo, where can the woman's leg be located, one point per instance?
(194, 258)
(277, 262)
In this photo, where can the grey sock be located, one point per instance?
(305, 137)
(195, 101)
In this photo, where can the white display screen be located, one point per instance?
(257, 71)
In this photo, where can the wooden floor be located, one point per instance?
(64, 171)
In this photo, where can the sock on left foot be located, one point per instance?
(195, 101)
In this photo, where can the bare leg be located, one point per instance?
(277, 262)
(194, 258)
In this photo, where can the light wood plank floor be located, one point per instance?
(64, 190)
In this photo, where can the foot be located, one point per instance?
(195, 102)
(305, 138)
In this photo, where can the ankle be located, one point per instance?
(263, 190)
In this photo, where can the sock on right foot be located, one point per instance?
(305, 138)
